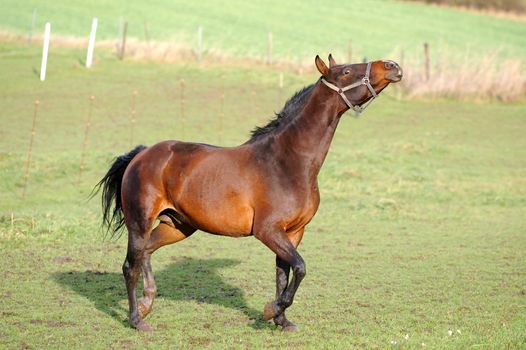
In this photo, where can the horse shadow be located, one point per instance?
(186, 280)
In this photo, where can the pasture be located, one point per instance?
(299, 27)
(418, 242)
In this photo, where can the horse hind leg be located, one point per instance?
(149, 288)
(138, 234)
(167, 232)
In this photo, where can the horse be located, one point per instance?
(266, 187)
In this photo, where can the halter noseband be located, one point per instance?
(365, 81)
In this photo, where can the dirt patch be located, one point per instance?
(62, 260)
(20, 326)
(179, 258)
(361, 304)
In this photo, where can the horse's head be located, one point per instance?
(358, 83)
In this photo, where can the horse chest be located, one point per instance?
(300, 206)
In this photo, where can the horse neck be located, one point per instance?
(306, 140)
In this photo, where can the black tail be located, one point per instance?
(111, 191)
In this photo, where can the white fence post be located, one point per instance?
(43, 67)
(91, 44)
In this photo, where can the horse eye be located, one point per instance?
(347, 72)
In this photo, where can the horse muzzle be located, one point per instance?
(393, 71)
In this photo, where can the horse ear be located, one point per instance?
(332, 62)
(322, 67)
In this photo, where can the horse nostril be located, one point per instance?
(389, 65)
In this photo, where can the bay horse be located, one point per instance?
(266, 187)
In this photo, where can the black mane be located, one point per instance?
(292, 108)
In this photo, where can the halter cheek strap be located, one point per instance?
(341, 91)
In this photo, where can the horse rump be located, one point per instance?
(112, 217)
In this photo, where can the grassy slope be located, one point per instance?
(420, 230)
(300, 28)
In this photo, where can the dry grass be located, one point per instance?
(173, 52)
(474, 78)
(514, 16)
(482, 77)
(508, 9)
(167, 52)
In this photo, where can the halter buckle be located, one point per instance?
(365, 81)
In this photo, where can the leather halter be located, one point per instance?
(365, 81)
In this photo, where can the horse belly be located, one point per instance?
(221, 217)
(222, 210)
(214, 192)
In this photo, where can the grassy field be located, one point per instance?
(419, 240)
(376, 28)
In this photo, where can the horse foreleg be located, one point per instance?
(165, 233)
(280, 244)
(282, 280)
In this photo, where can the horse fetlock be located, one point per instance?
(280, 319)
(286, 325)
(141, 326)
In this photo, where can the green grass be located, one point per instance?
(300, 28)
(420, 231)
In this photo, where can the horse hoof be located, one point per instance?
(142, 326)
(271, 310)
(291, 328)
(142, 309)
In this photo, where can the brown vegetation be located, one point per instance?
(514, 6)
(481, 77)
